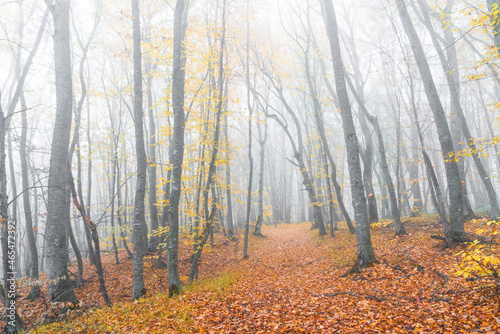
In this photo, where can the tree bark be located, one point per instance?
(456, 230)
(250, 112)
(95, 238)
(57, 205)
(178, 76)
(366, 255)
(450, 67)
(262, 143)
(139, 226)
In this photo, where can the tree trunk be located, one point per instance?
(57, 205)
(33, 251)
(450, 67)
(262, 143)
(95, 239)
(139, 226)
(178, 75)
(250, 158)
(229, 215)
(154, 240)
(456, 230)
(366, 255)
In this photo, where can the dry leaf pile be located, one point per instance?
(292, 284)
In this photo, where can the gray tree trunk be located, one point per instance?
(450, 67)
(366, 255)
(33, 251)
(456, 228)
(154, 239)
(229, 214)
(57, 204)
(250, 139)
(178, 76)
(139, 226)
(262, 143)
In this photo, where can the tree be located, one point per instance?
(454, 232)
(57, 204)
(139, 225)
(250, 158)
(366, 255)
(449, 64)
(178, 77)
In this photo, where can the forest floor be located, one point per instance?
(292, 284)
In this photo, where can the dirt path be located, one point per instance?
(276, 292)
(292, 284)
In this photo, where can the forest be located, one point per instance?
(226, 166)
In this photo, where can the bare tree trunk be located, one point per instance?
(262, 143)
(57, 205)
(450, 67)
(414, 171)
(120, 212)
(178, 75)
(23, 155)
(250, 158)
(366, 255)
(139, 226)
(321, 130)
(393, 199)
(154, 239)
(229, 215)
(95, 239)
(112, 192)
(456, 231)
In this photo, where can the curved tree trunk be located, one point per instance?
(456, 231)
(366, 255)
(450, 67)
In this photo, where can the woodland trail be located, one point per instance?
(292, 284)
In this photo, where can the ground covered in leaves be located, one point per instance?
(292, 284)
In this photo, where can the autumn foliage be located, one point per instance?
(292, 284)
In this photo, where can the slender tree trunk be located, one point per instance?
(456, 231)
(414, 171)
(366, 255)
(262, 144)
(33, 251)
(250, 158)
(153, 209)
(229, 215)
(112, 192)
(450, 67)
(120, 212)
(178, 75)
(139, 227)
(13, 204)
(95, 239)
(326, 148)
